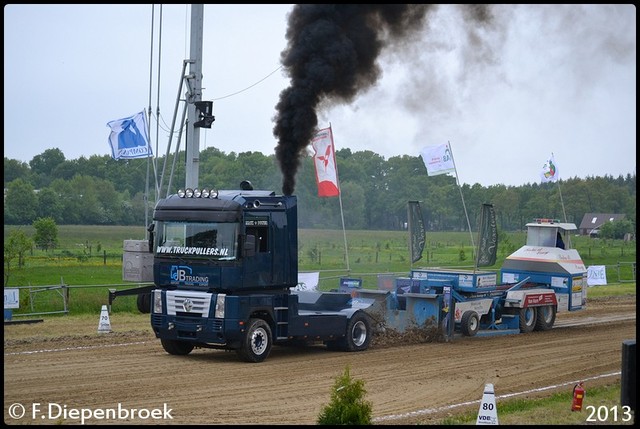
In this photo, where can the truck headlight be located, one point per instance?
(156, 306)
(219, 310)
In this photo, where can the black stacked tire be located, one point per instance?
(144, 303)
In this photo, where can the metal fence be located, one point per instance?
(54, 296)
(624, 270)
(35, 293)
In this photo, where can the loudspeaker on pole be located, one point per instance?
(488, 414)
(105, 324)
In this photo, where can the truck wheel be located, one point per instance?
(527, 319)
(546, 318)
(470, 323)
(358, 336)
(175, 347)
(257, 341)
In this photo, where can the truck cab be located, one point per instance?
(227, 242)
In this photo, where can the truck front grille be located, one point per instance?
(183, 303)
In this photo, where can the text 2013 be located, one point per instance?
(610, 414)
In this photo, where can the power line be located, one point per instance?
(249, 87)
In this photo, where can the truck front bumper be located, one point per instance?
(201, 331)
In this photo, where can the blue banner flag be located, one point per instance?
(129, 138)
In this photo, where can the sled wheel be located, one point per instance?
(470, 323)
(174, 347)
(546, 318)
(257, 342)
(527, 319)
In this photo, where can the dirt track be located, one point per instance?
(406, 384)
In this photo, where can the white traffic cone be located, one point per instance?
(488, 414)
(105, 323)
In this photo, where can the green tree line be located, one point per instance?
(374, 191)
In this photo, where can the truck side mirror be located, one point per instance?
(249, 248)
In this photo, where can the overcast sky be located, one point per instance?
(538, 80)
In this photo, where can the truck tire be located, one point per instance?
(144, 303)
(470, 323)
(175, 347)
(528, 319)
(546, 318)
(257, 342)
(358, 335)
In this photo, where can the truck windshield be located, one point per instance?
(197, 239)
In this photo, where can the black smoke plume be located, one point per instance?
(331, 56)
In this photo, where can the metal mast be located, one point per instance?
(194, 94)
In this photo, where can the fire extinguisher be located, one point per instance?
(578, 396)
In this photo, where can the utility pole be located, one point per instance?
(194, 94)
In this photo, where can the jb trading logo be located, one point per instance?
(179, 273)
(184, 275)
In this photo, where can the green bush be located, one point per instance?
(347, 406)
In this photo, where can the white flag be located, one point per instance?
(129, 138)
(549, 172)
(438, 159)
(325, 163)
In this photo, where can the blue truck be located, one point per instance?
(225, 276)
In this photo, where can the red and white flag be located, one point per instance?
(324, 160)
